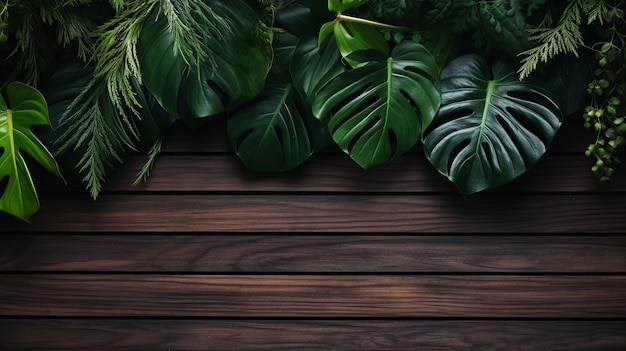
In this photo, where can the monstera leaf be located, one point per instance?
(491, 127)
(378, 111)
(26, 108)
(353, 37)
(233, 73)
(313, 66)
(277, 132)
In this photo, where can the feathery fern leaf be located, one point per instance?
(35, 30)
(564, 37)
(115, 55)
(91, 122)
(143, 174)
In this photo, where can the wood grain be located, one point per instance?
(302, 335)
(313, 296)
(209, 256)
(334, 173)
(213, 253)
(389, 213)
(212, 137)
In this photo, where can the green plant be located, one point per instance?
(23, 108)
(479, 85)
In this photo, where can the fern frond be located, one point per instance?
(30, 49)
(90, 121)
(41, 27)
(71, 25)
(565, 37)
(118, 5)
(155, 150)
(115, 55)
(194, 24)
(595, 9)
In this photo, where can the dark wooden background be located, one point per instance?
(208, 256)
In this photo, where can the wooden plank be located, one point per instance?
(366, 213)
(313, 296)
(303, 335)
(212, 137)
(312, 253)
(220, 173)
(332, 173)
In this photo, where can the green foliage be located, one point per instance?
(418, 14)
(495, 26)
(294, 76)
(606, 111)
(23, 108)
(142, 175)
(237, 58)
(378, 111)
(491, 128)
(278, 131)
(34, 32)
(115, 57)
(352, 37)
(500, 26)
(566, 36)
(302, 17)
(88, 137)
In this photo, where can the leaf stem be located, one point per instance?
(347, 18)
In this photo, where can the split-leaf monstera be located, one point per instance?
(294, 76)
(26, 108)
(491, 127)
(278, 131)
(378, 111)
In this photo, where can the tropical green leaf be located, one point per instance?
(26, 108)
(283, 45)
(566, 77)
(60, 90)
(378, 111)
(233, 74)
(340, 6)
(491, 127)
(312, 66)
(92, 147)
(353, 37)
(276, 132)
(303, 17)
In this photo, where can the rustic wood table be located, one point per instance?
(208, 256)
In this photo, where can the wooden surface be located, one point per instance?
(207, 256)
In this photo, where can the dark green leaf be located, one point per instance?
(303, 17)
(491, 128)
(340, 6)
(283, 44)
(235, 74)
(312, 67)
(354, 37)
(378, 111)
(277, 132)
(62, 89)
